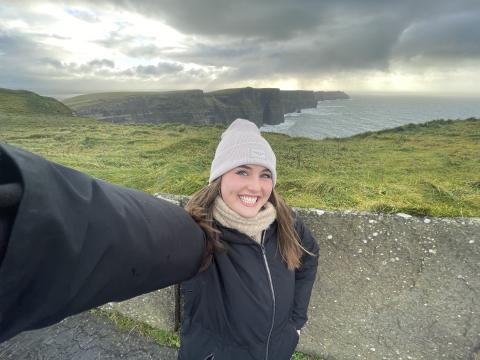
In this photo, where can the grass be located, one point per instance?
(22, 101)
(94, 99)
(430, 169)
(161, 337)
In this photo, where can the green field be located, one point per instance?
(431, 169)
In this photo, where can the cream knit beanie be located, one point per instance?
(242, 144)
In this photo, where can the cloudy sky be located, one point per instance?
(423, 46)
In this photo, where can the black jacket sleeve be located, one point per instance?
(305, 275)
(10, 195)
(75, 242)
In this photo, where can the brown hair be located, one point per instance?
(200, 207)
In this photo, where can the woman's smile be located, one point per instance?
(248, 200)
(245, 189)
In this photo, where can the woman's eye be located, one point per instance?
(241, 172)
(266, 176)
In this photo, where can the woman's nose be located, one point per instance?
(254, 185)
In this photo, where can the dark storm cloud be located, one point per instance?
(309, 36)
(315, 54)
(448, 36)
(273, 20)
(268, 19)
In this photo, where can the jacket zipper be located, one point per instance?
(271, 289)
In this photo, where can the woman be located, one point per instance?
(250, 299)
(70, 242)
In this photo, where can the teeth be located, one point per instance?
(248, 199)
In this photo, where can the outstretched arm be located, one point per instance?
(71, 242)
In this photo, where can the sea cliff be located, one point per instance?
(260, 105)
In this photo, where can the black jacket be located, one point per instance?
(248, 305)
(75, 242)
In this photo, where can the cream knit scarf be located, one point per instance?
(252, 227)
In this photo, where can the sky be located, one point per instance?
(412, 46)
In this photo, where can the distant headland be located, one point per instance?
(264, 106)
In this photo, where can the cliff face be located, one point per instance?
(295, 100)
(262, 106)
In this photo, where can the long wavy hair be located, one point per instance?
(200, 207)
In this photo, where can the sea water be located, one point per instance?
(361, 113)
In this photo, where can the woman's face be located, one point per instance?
(245, 189)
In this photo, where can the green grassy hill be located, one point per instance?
(98, 99)
(427, 169)
(27, 102)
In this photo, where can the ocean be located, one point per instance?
(361, 113)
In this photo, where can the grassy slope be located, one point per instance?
(89, 100)
(431, 169)
(26, 102)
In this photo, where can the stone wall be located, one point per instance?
(388, 287)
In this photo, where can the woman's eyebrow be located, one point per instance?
(249, 168)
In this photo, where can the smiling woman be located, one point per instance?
(250, 299)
